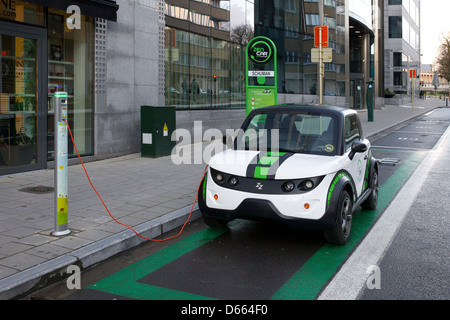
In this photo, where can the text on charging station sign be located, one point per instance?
(261, 77)
(260, 50)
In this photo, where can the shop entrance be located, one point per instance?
(23, 102)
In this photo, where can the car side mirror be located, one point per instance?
(357, 147)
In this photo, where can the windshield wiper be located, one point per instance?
(282, 150)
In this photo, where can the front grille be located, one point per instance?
(262, 186)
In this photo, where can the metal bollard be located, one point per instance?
(61, 161)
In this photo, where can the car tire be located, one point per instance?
(371, 202)
(212, 222)
(215, 223)
(341, 231)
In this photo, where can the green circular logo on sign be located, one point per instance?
(260, 51)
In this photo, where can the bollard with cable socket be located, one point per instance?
(61, 160)
(123, 224)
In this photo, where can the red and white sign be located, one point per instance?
(324, 36)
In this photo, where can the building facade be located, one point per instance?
(402, 47)
(108, 61)
(120, 55)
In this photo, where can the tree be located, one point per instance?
(241, 34)
(443, 58)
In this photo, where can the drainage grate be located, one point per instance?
(38, 189)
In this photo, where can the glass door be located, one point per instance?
(21, 138)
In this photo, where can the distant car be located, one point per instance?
(309, 167)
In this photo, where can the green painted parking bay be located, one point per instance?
(249, 260)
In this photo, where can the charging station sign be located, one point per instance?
(261, 73)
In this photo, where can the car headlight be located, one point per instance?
(309, 183)
(233, 181)
(288, 186)
(219, 177)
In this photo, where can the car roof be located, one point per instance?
(292, 108)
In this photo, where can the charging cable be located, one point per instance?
(92, 185)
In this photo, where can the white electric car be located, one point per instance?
(306, 166)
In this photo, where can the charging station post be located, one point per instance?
(61, 161)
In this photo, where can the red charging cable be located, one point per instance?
(92, 185)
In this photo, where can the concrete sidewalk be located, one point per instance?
(151, 195)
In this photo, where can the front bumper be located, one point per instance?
(264, 210)
(227, 204)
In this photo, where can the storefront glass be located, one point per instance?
(71, 69)
(203, 72)
(18, 101)
(20, 11)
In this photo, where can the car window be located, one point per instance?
(351, 131)
(291, 132)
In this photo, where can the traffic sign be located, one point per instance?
(327, 55)
(324, 39)
(412, 73)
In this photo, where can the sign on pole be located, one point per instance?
(327, 55)
(412, 78)
(321, 41)
(261, 73)
(321, 38)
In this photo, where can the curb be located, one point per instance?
(20, 284)
(400, 123)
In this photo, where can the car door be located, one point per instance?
(357, 167)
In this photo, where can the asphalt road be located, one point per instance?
(258, 261)
(417, 264)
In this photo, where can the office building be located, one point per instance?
(402, 48)
(190, 54)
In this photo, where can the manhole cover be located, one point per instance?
(38, 189)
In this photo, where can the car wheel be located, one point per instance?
(215, 223)
(372, 200)
(212, 222)
(341, 231)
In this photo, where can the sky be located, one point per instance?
(435, 16)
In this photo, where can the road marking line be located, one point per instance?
(400, 148)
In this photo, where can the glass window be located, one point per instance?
(290, 132)
(21, 11)
(312, 19)
(71, 69)
(397, 59)
(330, 3)
(405, 30)
(395, 2)
(351, 131)
(397, 78)
(18, 101)
(395, 27)
(203, 72)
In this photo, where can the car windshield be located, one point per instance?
(290, 132)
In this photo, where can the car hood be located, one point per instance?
(280, 166)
